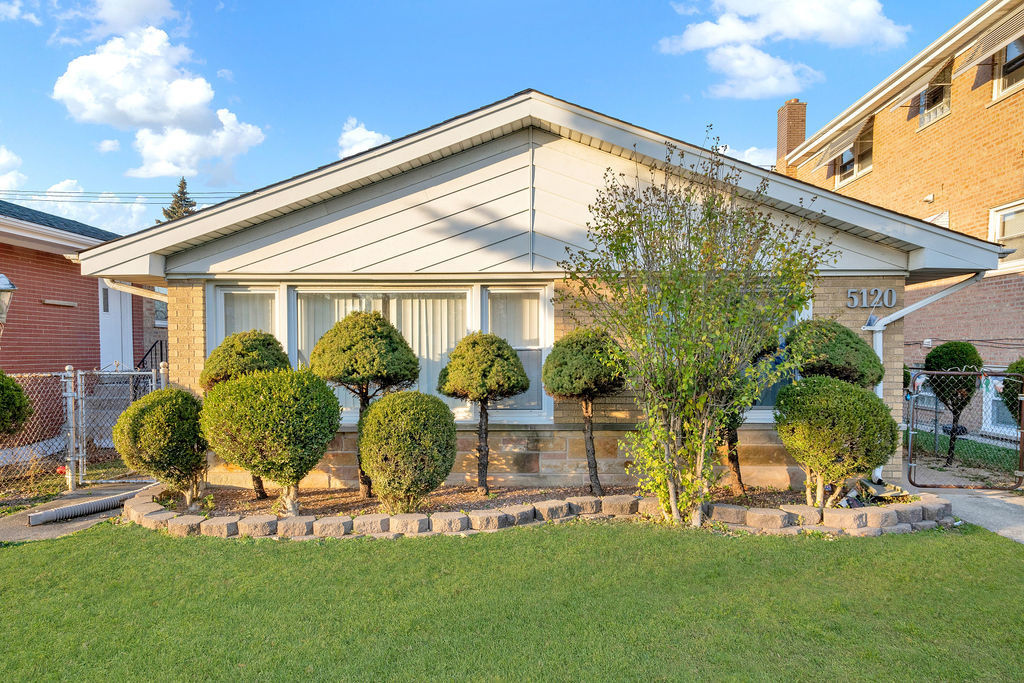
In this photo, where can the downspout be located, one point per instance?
(132, 289)
(877, 327)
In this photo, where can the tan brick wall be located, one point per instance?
(186, 331)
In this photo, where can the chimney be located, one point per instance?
(791, 132)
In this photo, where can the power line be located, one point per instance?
(115, 193)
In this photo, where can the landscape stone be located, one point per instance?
(844, 518)
(783, 531)
(584, 504)
(332, 527)
(409, 523)
(767, 518)
(897, 529)
(730, 514)
(947, 522)
(879, 516)
(137, 512)
(595, 517)
(184, 525)
(371, 524)
(741, 528)
(620, 505)
(924, 525)
(551, 509)
(157, 520)
(489, 520)
(448, 522)
(802, 514)
(257, 525)
(222, 527)
(935, 510)
(908, 513)
(650, 507)
(386, 536)
(298, 525)
(305, 537)
(832, 530)
(520, 514)
(560, 520)
(865, 531)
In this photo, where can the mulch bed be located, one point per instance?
(757, 497)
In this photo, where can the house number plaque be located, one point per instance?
(871, 297)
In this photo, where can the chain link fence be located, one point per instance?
(33, 462)
(964, 430)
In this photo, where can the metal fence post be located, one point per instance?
(68, 384)
(164, 371)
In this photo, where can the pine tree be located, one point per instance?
(181, 204)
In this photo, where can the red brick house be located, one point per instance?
(58, 317)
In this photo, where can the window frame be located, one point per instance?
(929, 115)
(857, 151)
(988, 426)
(995, 216)
(765, 415)
(216, 332)
(999, 87)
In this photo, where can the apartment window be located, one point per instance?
(1010, 66)
(934, 101)
(1006, 225)
(856, 160)
(517, 316)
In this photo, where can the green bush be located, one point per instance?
(407, 440)
(834, 430)
(582, 367)
(15, 408)
(954, 391)
(240, 354)
(483, 368)
(1012, 388)
(275, 423)
(832, 350)
(159, 435)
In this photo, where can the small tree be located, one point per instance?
(181, 204)
(365, 354)
(408, 443)
(583, 366)
(159, 435)
(955, 391)
(483, 368)
(693, 276)
(275, 423)
(15, 408)
(828, 349)
(240, 354)
(835, 430)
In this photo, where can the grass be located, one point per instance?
(968, 452)
(573, 601)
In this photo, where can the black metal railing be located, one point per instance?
(156, 354)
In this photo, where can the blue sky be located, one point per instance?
(125, 96)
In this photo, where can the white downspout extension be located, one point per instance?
(878, 328)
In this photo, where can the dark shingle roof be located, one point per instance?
(23, 213)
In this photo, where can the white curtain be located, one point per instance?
(245, 311)
(515, 317)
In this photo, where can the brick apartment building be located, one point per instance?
(941, 139)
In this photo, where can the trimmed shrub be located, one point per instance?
(365, 354)
(1012, 388)
(832, 350)
(241, 354)
(955, 391)
(15, 408)
(159, 435)
(581, 367)
(834, 430)
(483, 368)
(408, 444)
(275, 423)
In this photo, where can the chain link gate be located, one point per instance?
(965, 430)
(33, 461)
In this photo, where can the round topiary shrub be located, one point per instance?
(835, 431)
(832, 350)
(581, 367)
(275, 423)
(954, 391)
(159, 435)
(1013, 388)
(240, 354)
(15, 408)
(408, 442)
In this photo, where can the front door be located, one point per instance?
(115, 328)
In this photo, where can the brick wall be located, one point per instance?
(186, 331)
(42, 337)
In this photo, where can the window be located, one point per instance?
(243, 309)
(1010, 66)
(160, 309)
(934, 101)
(516, 316)
(105, 295)
(856, 160)
(996, 417)
(1006, 225)
(763, 410)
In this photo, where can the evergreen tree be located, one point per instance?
(181, 204)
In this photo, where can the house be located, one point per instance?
(58, 317)
(941, 139)
(460, 227)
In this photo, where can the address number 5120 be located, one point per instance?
(870, 298)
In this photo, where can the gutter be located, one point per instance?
(124, 286)
(877, 327)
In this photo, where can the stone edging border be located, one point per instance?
(930, 512)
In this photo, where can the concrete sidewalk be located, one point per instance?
(998, 511)
(15, 527)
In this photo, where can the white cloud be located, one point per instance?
(759, 156)
(226, 74)
(684, 8)
(12, 11)
(753, 74)
(138, 82)
(10, 177)
(105, 146)
(105, 211)
(356, 138)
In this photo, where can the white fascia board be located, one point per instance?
(42, 237)
(144, 266)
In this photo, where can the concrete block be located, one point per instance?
(448, 522)
(157, 520)
(580, 505)
(782, 531)
(924, 525)
(802, 514)
(332, 527)
(489, 520)
(878, 516)
(897, 529)
(520, 514)
(767, 518)
(305, 537)
(844, 518)
(865, 531)
(831, 530)
(386, 536)
(935, 510)
(371, 524)
(947, 522)
(137, 512)
(908, 513)
(258, 525)
(741, 528)
(730, 514)
(550, 509)
(222, 527)
(297, 525)
(562, 520)
(409, 523)
(595, 517)
(650, 507)
(620, 505)
(184, 525)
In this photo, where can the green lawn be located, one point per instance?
(573, 601)
(968, 452)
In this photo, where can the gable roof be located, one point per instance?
(932, 251)
(23, 213)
